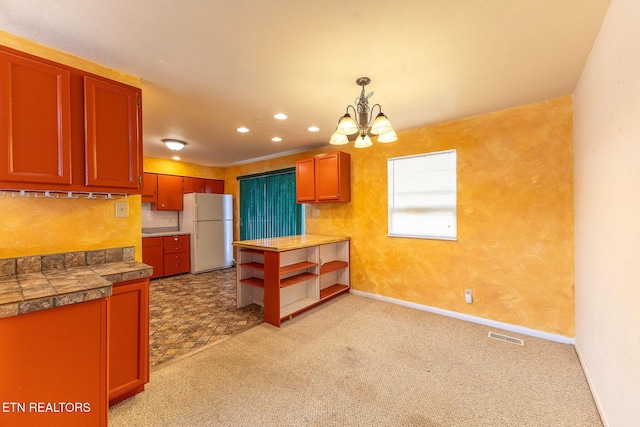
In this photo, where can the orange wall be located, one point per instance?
(515, 218)
(39, 226)
(172, 167)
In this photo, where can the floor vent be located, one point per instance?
(506, 338)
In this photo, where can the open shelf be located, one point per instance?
(294, 307)
(332, 290)
(253, 281)
(252, 251)
(330, 266)
(296, 279)
(296, 267)
(253, 265)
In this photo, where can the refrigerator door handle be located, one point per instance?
(195, 211)
(195, 234)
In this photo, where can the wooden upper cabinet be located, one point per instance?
(215, 186)
(35, 125)
(63, 129)
(112, 134)
(169, 193)
(192, 185)
(305, 180)
(324, 178)
(149, 187)
(333, 177)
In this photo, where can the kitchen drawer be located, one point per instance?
(176, 263)
(174, 248)
(151, 241)
(179, 238)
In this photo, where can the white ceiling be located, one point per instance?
(209, 66)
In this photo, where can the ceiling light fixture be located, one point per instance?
(276, 139)
(363, 125)
(280, 116)
(242, 129)
(174, 144)
(314, 129)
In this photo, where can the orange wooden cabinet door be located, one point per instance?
(305, 180)
(169, 193)
(215, 186)
(149, 187)
(113, 136)
(128, 339)
(35, 124)
(152, 254)
(333, 177)
(53, 366)
(192, 185)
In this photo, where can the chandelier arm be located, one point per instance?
(373, 116)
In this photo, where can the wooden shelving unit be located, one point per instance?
(289, 281)
(253, 281)
(298, 278)
(330, 266)
(332, 290)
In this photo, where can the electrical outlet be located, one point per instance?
(316, 212)
(122, 209)
(468, 296)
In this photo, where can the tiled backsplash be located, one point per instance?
(38, 263)
(158, 219)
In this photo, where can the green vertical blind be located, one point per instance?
(268, 206)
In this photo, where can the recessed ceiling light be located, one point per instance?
(314, 129)
(176, 158)
(280, 116)
(276, 139)
(242, 129)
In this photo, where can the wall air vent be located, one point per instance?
(506, 338)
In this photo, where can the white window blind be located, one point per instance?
(422, 196)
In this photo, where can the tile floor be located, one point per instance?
(189, 311)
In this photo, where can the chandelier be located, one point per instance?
(362, 124)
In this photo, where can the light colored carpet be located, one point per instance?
(355, 361)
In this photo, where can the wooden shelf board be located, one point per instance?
(253, 281)
(252, 251)
(296, 267)
(294, 307)
(332, 290)
(296, 279)
(330, 266)
(253, 265)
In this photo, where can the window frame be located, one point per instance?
(448, 230)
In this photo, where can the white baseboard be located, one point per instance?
(469, 318)
(587, 375)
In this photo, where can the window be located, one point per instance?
(422, 196)
(268, 205)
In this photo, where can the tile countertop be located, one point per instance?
(163, 233)
(40, 282)
(280, 244)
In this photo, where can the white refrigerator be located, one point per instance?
(209, 219)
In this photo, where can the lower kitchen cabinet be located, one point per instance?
(168, 255)
(176, 254)
(153, 255)
(287, 282)
(53, 366)
(128, 339)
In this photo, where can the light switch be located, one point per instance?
(122, 209)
